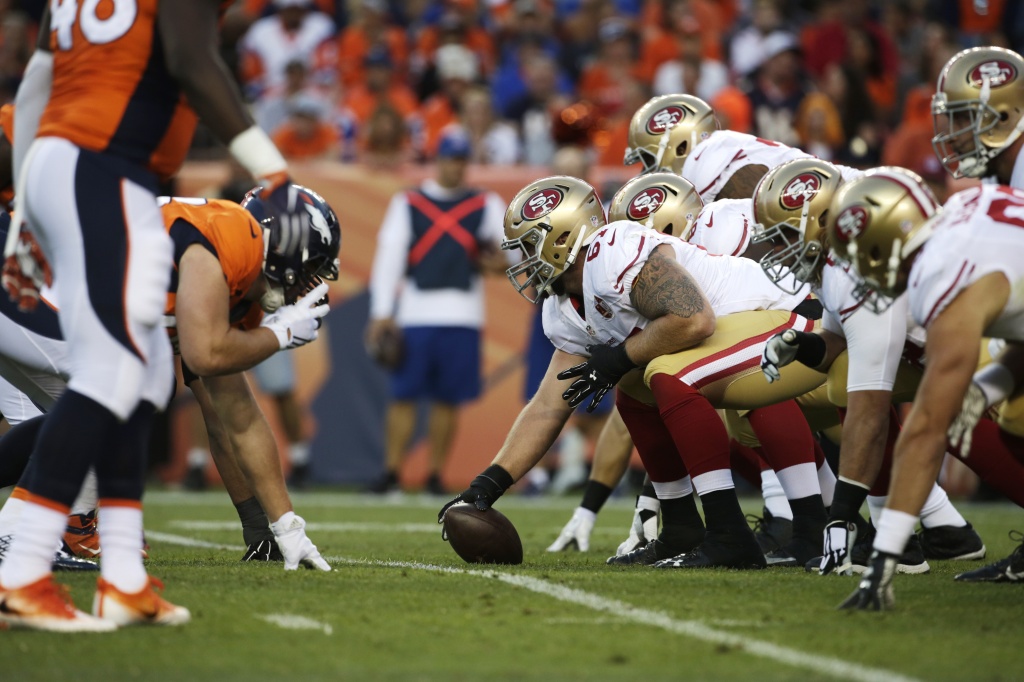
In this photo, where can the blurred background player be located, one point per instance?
(435, 242)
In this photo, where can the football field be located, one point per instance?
(400, 605)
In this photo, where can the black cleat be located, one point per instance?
(647, 554)
(1008, 570)
(957, 543)
(911, 563)
(720, 551)
(797, 553)
(195, 478)
(772, 532)
(387, 483)
(264, 550)
(434, 486)
(63, 559)
(299, 477)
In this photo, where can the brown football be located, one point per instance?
(482, 537)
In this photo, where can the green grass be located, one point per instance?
(410, 623)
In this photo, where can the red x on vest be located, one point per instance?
(444, 222)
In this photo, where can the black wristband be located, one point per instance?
(810, 349)
(495, 480)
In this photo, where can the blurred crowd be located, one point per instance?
(379, 81)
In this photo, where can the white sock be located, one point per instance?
(774, 496)
(827, 483)
(197, 457)
(800, 480)
(9, 515)
(121, 530)
(88, 496)
(31, 552)
(673, 490)
(298, 453)
(876, 503)
(939, 511)
(539, 477)
(712, 481)
(894, 528)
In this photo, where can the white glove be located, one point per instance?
(837, 556)
(576, 532)
(961, 430)
(779, 351)
(296, 324)
(641, 532)
(290, 533)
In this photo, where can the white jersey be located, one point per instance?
(713, 161)
(875, 343)
(612, 262)
(274, 46)
(978, 232)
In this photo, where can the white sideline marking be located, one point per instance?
(290, 621)
(825, 665)
(370, 527)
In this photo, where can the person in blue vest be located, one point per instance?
(425, 289)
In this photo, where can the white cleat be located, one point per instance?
(145, 607)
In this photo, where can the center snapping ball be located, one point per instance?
(482, 537)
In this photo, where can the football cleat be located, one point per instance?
(145, 607)
(45, 605)
(772, 532)
(957, 543)
(732, 551)
(795, 554)
(63, 560)
(81, 537)
(912, 562)
(1008, 570)
(647, 554)
(264, 550)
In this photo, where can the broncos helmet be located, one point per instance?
(661, 201)
(549, 221)
(664, 131)
(791, 205)
(977, 109)
(300, 247)
(881, 220)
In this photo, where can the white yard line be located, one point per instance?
(829, 666)
(290, 621)
(339, 527)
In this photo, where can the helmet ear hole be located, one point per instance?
(681, 149)
(669, 230)
(562, 239)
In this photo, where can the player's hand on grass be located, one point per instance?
(597, 376)
(875, 590)
(644, 527)
(483, 492)
(837, 554)
(296, 324)
(576, 533)
(290, 533)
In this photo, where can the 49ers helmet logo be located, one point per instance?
(541, 203)
(851, 223)
(645, 203)
(800, 190)
(664, 118)
(997, 72)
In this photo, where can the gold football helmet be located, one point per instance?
(791, 205)
(549, 220)
(878, 222)
(661, 201)
(978, 109)
(666, 129)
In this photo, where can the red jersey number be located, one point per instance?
(95, 29)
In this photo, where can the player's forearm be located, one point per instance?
(670, 334)
(235, 351)
(532, 435)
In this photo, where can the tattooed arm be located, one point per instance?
(680, 315)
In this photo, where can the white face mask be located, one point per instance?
(272, 299)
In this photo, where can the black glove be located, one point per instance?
(597, 375)
(483, 491)
(875, 590)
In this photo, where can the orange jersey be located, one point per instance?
(7, 124)
(231, 234)
(111, 89)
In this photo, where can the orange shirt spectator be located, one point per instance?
(602, 83)
(379, 87)
(456, 28)
(733, 109)
(255, 8)
(369, 30)
(305, 135)
(457, 69)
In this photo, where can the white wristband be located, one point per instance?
(257, 153)
(995, 381)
